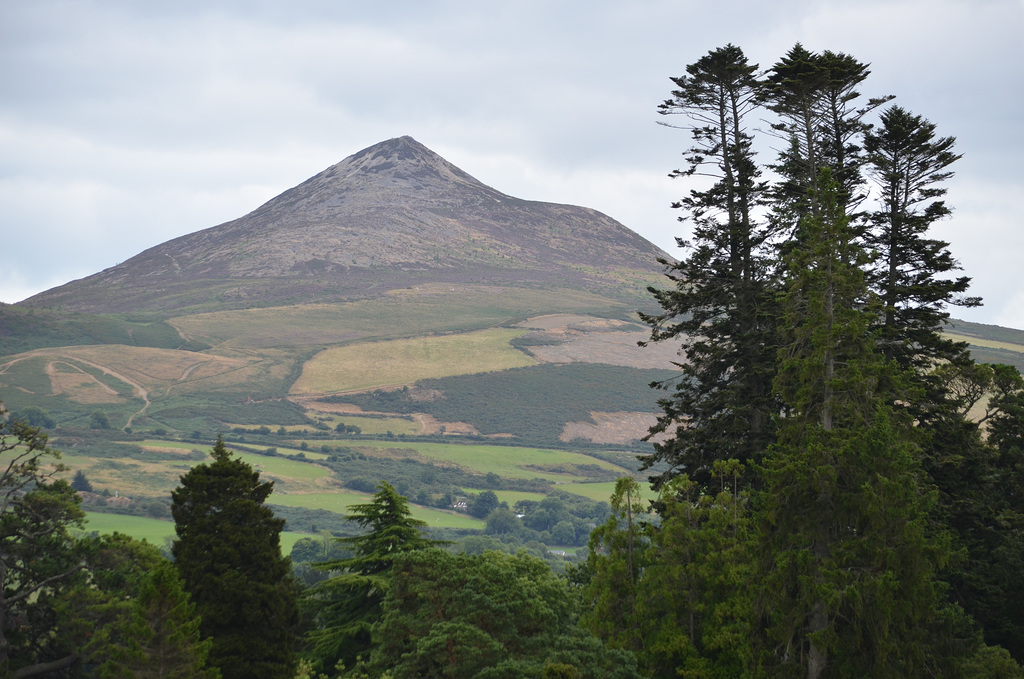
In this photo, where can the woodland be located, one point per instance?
(840, 486)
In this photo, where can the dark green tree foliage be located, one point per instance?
(489, 616)
(34, 416)
(503, 521)
(988, 515)
(229, 556)
(81, 483)
(907, 164)
(345, 607)
(849, 569)
(813, 95)
(721, 303)
(39, 561)
(134, 617)
(99, 420)
(870, 406)
(483, 504)
(695, 593)
(617, 556)
(978, 486)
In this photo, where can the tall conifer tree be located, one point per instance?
(814, 97)
(849, 568)
(347, 605)
(908, 164)
(721, 302)
(229, 556)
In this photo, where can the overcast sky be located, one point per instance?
(124, 124)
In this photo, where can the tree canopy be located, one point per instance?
(345, 606)
(229, 556)
(809, 304)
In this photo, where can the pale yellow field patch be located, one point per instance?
(72, 370)
(82, 387)
(395, 362)
(978, 342)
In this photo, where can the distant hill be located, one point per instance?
(390, 318)
(392, 216)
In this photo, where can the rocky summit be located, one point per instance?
(393, 215)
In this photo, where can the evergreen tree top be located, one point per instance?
(390, 530)
(212, 488)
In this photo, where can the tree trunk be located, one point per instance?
(816, 658)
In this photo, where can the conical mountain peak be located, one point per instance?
(392, 215)
(386, 173)
(401, 158)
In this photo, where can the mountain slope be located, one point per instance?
(393, 215)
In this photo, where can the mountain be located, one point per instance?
(391, 216)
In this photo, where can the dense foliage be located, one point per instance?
(23, 329)
(229, 556)
(345, 606)
(810, 307)
(94, 606)
(39, 562)
(491, 615)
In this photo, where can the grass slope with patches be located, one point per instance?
(412, 312)
(531, 403)
(24, 329)
(376, 364)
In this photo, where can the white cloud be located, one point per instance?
(1011, 315)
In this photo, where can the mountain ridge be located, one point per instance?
(392, 215)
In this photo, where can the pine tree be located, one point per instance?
(908, 164)
(488, 616)
(81, 483)
(813, 95)
(134, 616)
(720, 304)
(618, 552)
(980, 481)
(229, 556)
(345, 607)
(694, 593)
(849, 567)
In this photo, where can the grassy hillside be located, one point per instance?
(532, 403)
(990, 343)
(411, 312)
(483, 383)
(132, 479)
(24, 329)
(376, 364)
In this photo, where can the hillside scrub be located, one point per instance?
(545, 397)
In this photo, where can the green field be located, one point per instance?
(151, 468)
(416, 312)
(278, 466)
(339, 503)
(283, 467)
(155, 531)
(603, 491)
(505, 461)
(512, 496)
(978, 342)
(289, 452)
